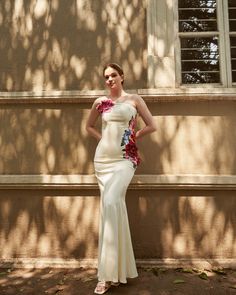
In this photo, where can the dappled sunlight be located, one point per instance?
(143, 206)
(191, 138)
(54, 226)
(181, 224)
(203, 229)
(161, 45)
(63, 45)
(86, 14)
(45, 140)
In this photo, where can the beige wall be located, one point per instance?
(164, 223)
(192, 138)
(47, 48)
(45, 139)
(64, 44)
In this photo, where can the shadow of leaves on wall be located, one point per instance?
(58, 45)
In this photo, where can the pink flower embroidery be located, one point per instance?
(105, 106)
(131, 153)
(128, 141)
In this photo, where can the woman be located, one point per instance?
(115, 161)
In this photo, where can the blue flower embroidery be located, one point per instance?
(130, 150)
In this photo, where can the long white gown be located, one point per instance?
(115, 161)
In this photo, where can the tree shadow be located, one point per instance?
(192, 223)
(50, 223)
(182, 224)
(60, 45)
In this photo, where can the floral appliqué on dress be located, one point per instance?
(130, 150)
(105, 106)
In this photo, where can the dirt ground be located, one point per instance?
(151, 281)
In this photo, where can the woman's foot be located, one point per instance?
(102, 287)
(115, 284)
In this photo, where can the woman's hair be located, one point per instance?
(115, 67)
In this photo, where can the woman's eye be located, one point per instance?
(112, 75)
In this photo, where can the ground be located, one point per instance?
(151, 281)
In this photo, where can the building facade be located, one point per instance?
(180, 56)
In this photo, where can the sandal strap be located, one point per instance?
(102, 287)
(103, 284)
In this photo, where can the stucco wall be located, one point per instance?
(192, 138)
(164, 223)
(64, 44)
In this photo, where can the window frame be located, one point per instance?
(223, 35)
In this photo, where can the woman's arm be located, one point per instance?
(91, 122)
(146, 116)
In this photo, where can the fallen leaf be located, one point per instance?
(219, 271)
(61, 288)
(87, 279)
(203, 276)
(179, 269)
(155, 271)
(58, 290)
(61, 282)
(3, 273)
(148, 269)
(178, 281)
(162, 270)
(187, 270)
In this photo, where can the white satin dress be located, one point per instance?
(115, 161)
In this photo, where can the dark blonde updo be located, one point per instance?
(115, 67)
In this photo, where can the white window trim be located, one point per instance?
(152, 92)
(227, 43)
(224, 47)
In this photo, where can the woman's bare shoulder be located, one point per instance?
(99, 99)
(136, 99)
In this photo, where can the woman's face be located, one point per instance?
(113, 78)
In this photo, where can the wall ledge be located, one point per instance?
(213, 93)
(200, 263)
(139, 181)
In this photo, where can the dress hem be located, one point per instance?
(117, 281)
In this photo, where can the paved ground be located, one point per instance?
(151, 281)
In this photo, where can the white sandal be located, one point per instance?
(102, 287)
(115, 284)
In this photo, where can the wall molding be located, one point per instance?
(167, 94)
(199, 263)
(139, 181)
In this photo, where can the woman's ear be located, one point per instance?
(122, 77)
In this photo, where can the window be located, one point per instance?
(232, 34)
(206, 27)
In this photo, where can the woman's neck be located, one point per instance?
(115, 94)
